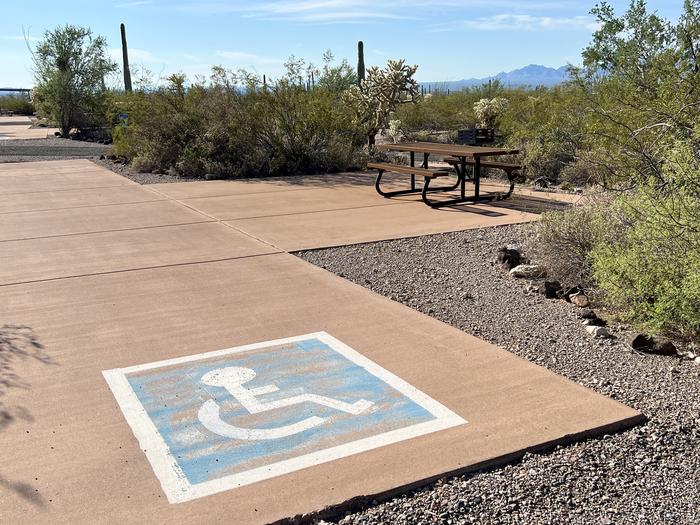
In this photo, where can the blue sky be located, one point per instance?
(450, 39)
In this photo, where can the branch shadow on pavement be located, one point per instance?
(18, 343)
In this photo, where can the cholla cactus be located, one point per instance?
(489, 110)
(395, 130)
(380, 93)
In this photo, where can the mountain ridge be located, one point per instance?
(532, 75)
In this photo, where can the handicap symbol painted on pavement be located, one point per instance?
(220, 420)
(233, 378)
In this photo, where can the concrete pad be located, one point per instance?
(75, 459)
(340, 227)
(61, 200)
(218, 188)
(30, 177)
(19, 127)
(72, 221)
(95, 253)
(48, 166)
(278, 203)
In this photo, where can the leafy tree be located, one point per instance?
(336, 78)
(70, 66)
(379, 95)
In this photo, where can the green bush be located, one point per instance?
(563, 241)
(651, 271)
(222, 129)
(17, 104)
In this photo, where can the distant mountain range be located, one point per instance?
(533, 75)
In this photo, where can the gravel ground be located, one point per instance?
(28, 150)
(647, 475)
(142, 178)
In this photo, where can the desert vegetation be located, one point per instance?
(16, 104)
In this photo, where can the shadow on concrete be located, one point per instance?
(18, 343)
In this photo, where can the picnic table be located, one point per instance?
(458, 156)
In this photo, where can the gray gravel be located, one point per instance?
(649, 474)
(142, 178)
(28, 150)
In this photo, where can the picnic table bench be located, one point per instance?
(459, 157)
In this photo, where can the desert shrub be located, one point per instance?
(17, 104)
(488, 111)
(651, 271)
(580, 172)
(563, 241)
(221, 128)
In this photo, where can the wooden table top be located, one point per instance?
(455, 150)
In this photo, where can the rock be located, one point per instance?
(642, 342)
(572, 291)
(212, 176)
(664, 347)
(587, 314)
(646, 343)
(509, 258)
(529, 271)
(598, 331)
(540, 182)
(550, 289)
(596, 321)
(579, 299)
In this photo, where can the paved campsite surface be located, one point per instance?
(165, 359)
(21, 128)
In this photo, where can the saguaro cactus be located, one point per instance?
(360, 62)
(125, 55)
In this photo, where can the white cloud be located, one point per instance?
(353, 11)
(521, 22)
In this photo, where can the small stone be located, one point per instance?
(642, 342)
(579, 299)
(529, 271)
(664, 347)
(508, 257)
(571, 291)
(550, 289)
(598, 331)
(587, 314)
(652, 345)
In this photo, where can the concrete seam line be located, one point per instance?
(143, 268)
(107, 231)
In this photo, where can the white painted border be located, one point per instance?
(174, 482)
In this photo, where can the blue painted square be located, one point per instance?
(213, 431)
